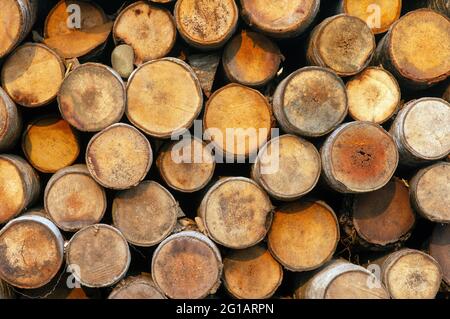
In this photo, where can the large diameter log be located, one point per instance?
(99, 256)
(119, 157)
(92, 97)
(40, 246)
(19, 185)
(164, 96)
(342, 43)
(236, 213)
(284, 19)
(32, 75)
(206, 24)
(251, 273)
(287, 167)
(10, 122)
(187, 265)
(312, 102)
(439, 249)
(421, 131)
(148, 29)
(423, 31)
(73, 199)
(139, 287)
(359, 157)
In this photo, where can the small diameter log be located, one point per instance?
(287, 167)
(32, 75)
(429, 192)
(139, 287)
(205, 67)
(312, 102)
(304, 235)
(342, 43)
(359, 157)
(73, 199)
(31, 251)
(122, 60)
(423, 31)
(99, 256)
(19, 185)
(148, 29)
(119, 157)
(164, 96)
(439, 249)
(251, 273)
(236, 213)
(92, 97)
(206, 24)
(251, 59)
(10, 123)
(421, 131)
(237, 120)
(373, 95)
(280, 20)
(187, 265)
(50, 144)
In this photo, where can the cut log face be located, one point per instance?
(32, 75)
(236, 212)
(373, 95)
(164, 96)
(73, 199)
(439, 248)
(41, 247)
(139, 287)
(92, 97)
(150, 30)
(10, 123)
(359, 157)
(187, 265)
(251, 273)
(119, 157)
(50, 144)
(101, 253)
(206, 24)
(310, 102)
(122, 60)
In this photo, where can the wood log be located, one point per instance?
(99, 255)
(423, 31)
(119, 157)
(285, 19)
(187, 265)
(251, 273)
(312, 102)
(205, 67)
(92, 97)
(139, 287)
(73, 199)
(439, 249)
(236, 213)
(206, 24)
(5, 291)
(287, 167)
(122, 60)
(148, 29)
(10, 122)
(342, 43)
(359, 157)
(441, 6)
(446, 95)
(164, 97)
(50, 144)
(19, 185)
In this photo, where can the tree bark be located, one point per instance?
(10, 122)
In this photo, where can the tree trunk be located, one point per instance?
(10, 122)
(139, 287)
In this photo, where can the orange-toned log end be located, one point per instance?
(439, 249)
(139, 287)
(11, 20)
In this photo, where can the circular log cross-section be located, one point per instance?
(206, 24)
(439, 249)
(139, 287)
(251, 59)
(287, 167)
(342, 43)
(92, 97)
(359, 157)
(164, 96)
(122, 60)
(187, 265)
(280, 19)
(251, 273)
(145, 214)
(99, 256)
(119, 157)
(32, 75)
(73, 199)
(50, 144)
(236, 213)
(10, 123)
(311, 102)
(149, 30)
(40, 247)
